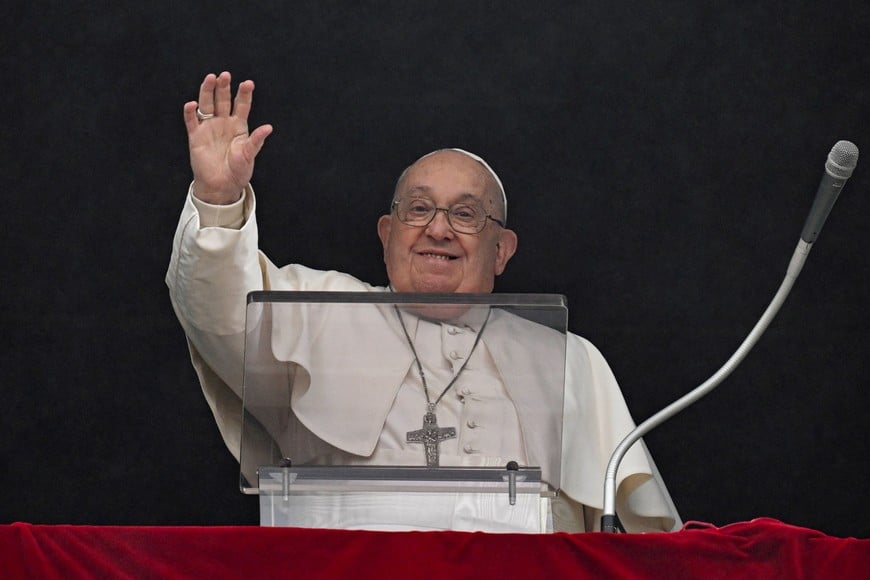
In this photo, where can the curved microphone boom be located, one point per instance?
(841, 162)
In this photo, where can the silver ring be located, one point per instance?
(200, 116)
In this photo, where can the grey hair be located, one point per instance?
(477, 158)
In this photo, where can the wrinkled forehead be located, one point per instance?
(479, 160)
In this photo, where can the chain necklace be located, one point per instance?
(431, 435)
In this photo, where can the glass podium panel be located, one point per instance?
(358, 398)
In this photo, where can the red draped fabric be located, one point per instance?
(762, 548)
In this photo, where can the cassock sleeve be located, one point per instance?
(596, 420)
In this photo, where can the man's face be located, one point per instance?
(435, 258)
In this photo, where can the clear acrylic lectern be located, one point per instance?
(379, 410)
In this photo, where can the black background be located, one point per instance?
(659, 158)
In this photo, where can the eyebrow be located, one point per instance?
(428, 190)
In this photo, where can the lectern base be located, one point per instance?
(404, 511)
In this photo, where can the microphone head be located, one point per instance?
(842, 159)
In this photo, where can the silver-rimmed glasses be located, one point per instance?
(466, 217)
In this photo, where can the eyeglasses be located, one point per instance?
(463, 217)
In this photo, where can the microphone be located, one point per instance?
(841, 162)
(838, 168)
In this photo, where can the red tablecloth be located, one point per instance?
(762, 548)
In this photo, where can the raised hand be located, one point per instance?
(222, 151)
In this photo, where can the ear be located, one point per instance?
(505, 249)
(385, 225)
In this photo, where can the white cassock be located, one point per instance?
(216, 262)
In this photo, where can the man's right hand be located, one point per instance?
(222, 151)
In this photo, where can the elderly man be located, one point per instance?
(446, 232)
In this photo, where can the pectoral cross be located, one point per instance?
(430, 436)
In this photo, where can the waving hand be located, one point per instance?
(222, 150)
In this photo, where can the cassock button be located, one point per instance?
(469, 449)
(464, 391)
(455, 355)
(471, 423)
(452, 330)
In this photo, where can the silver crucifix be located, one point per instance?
(430, 436)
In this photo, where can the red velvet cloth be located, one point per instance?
(762, 548)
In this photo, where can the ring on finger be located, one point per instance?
(200, 116)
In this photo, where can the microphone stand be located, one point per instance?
(839, 166)
(610, 521)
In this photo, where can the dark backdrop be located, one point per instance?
(659, 157)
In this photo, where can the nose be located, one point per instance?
(439, 228)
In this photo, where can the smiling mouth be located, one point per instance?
(437, 256)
